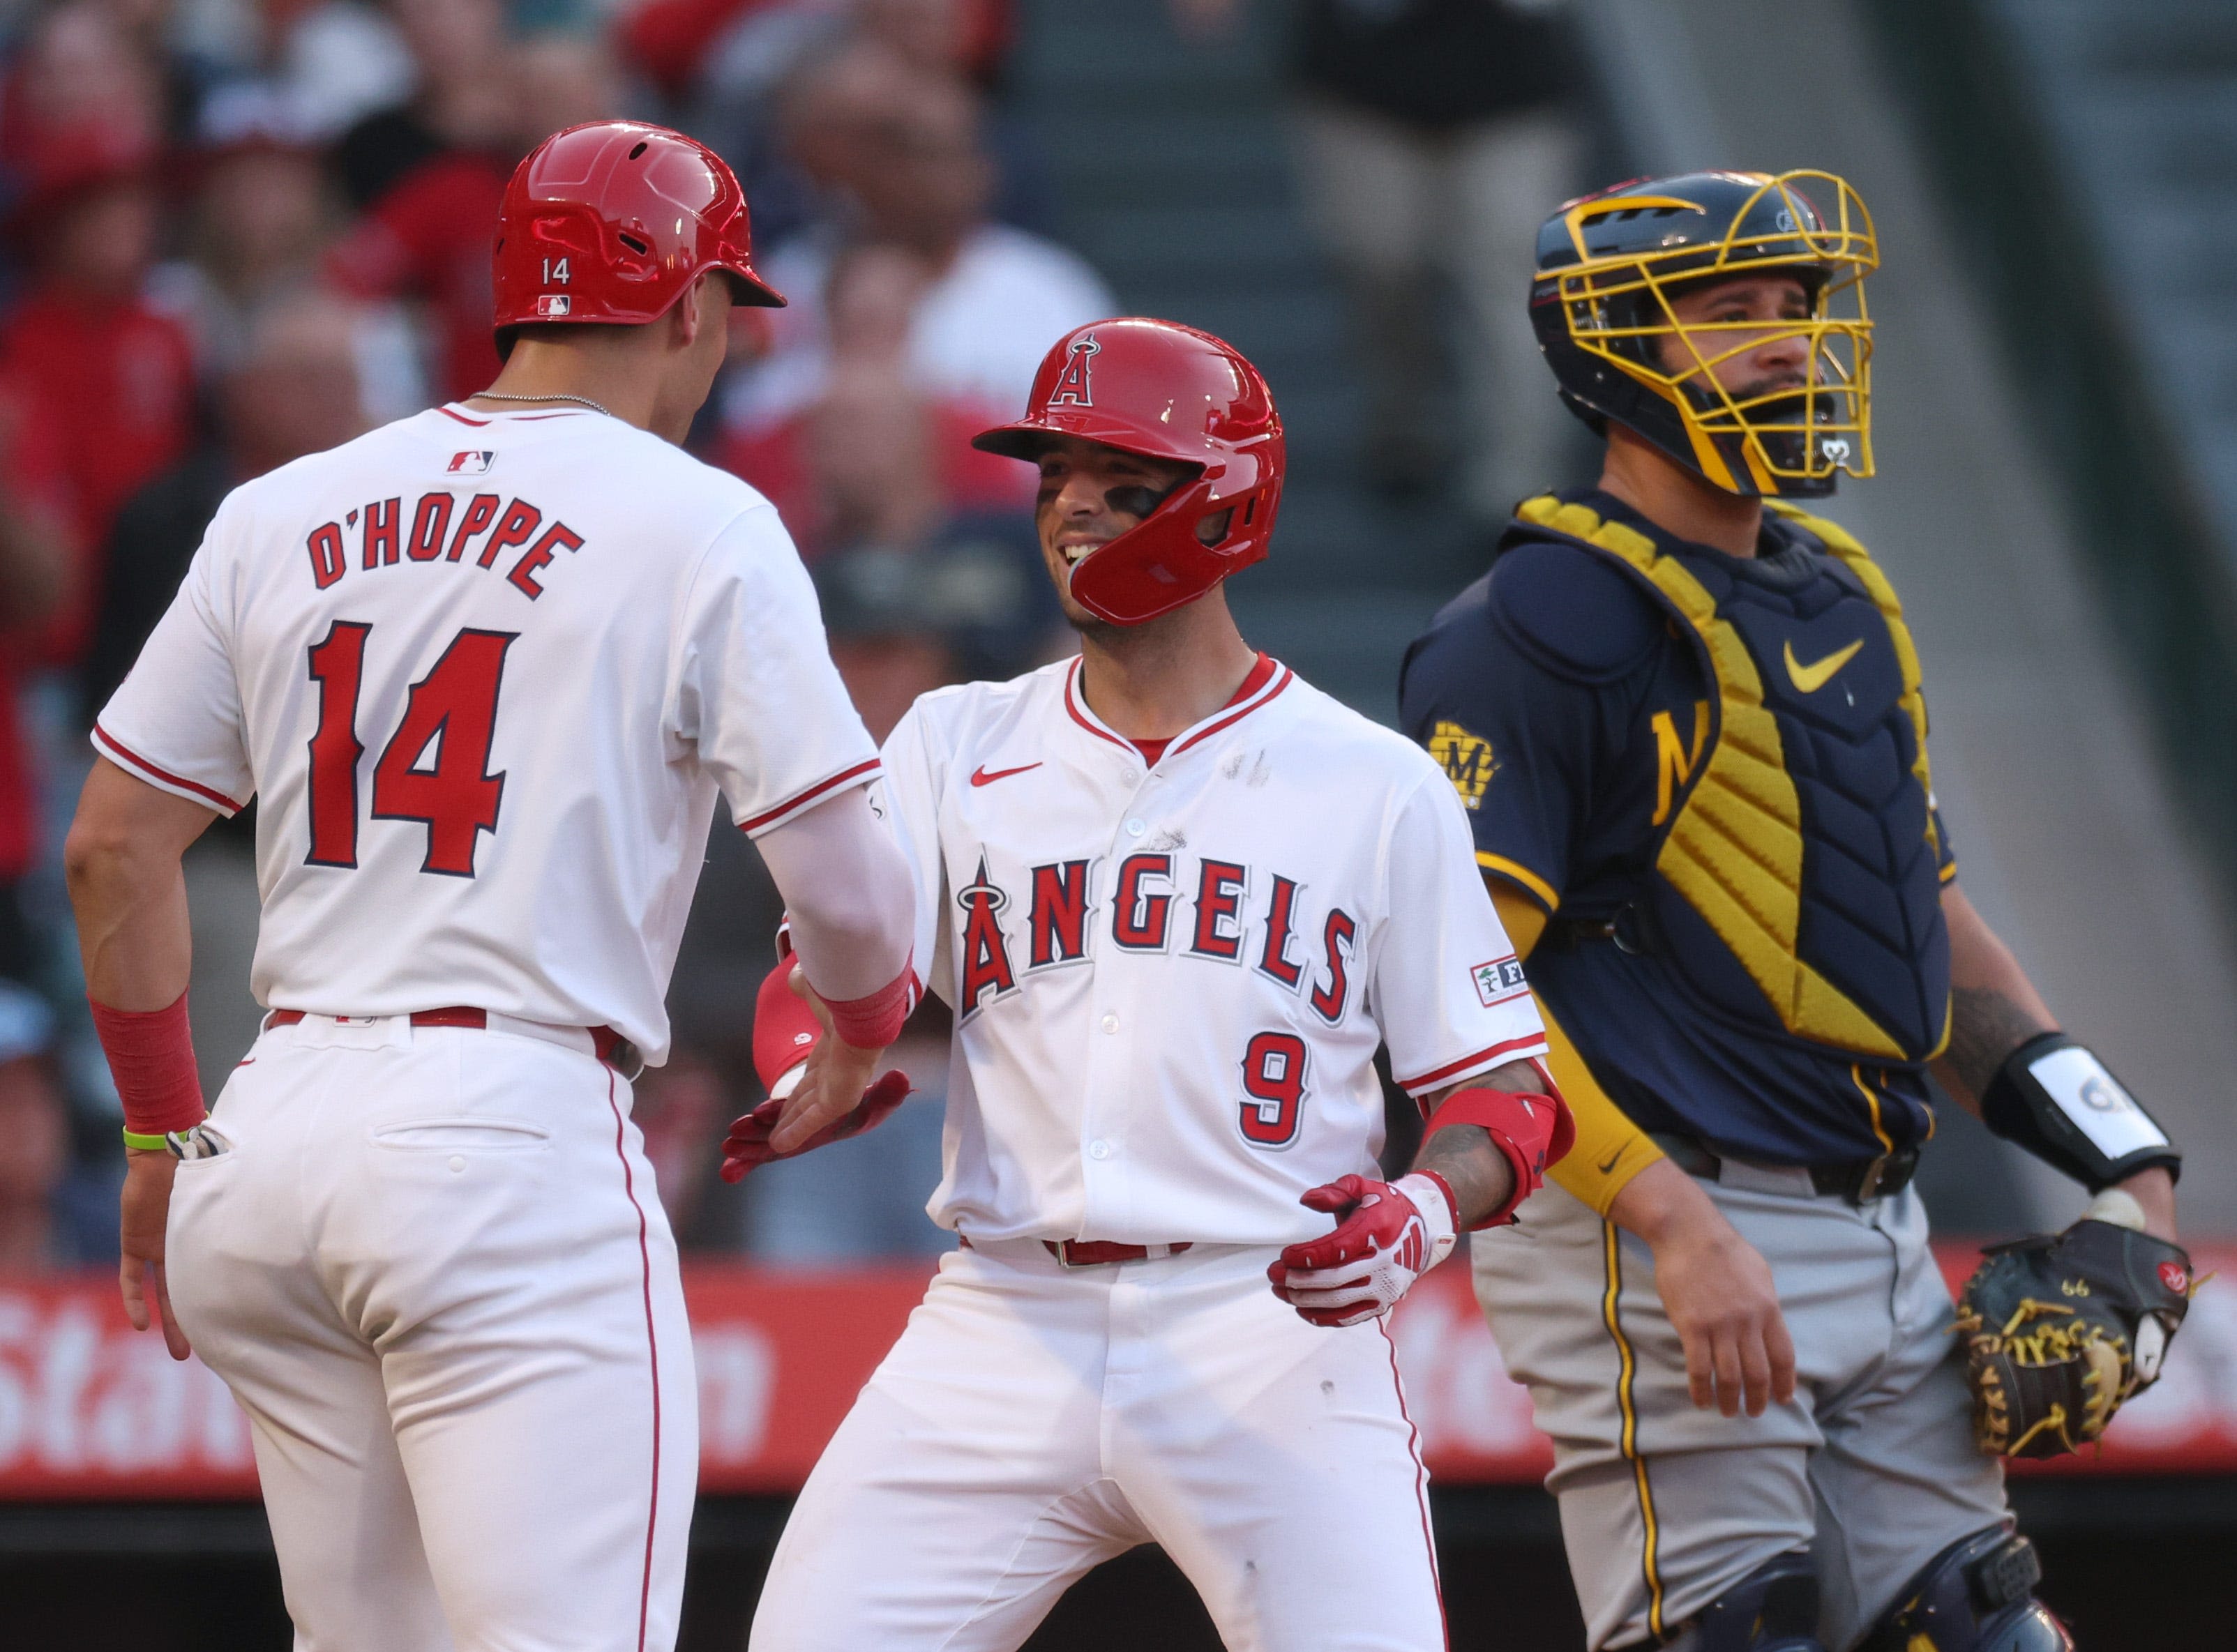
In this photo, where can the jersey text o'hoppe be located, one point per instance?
(384, 539)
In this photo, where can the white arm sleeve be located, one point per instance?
(847, 894)
(908, 794)
(1448, 991)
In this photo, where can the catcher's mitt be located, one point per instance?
(2063, 1329)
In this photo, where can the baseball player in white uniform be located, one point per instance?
(486, 669)
(1176, 899)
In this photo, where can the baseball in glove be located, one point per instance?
(2064, 1329)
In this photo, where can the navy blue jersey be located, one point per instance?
(1576, 711)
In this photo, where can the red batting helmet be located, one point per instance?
(610, 221)
(1167, 392)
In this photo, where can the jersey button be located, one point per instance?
(1111, 1023)
(1099, 1150)
(1136, 828)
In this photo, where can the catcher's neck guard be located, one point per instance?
(1609, 267)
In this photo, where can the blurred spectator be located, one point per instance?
(50, 1214)
(81, 85)
(108, 375)
(675, 40)
(968, 600)
(562, 78)
(459, 98)
(905, 148)
(870, 414)
(293, 390)
(429, 176)
(320, 64)
(723, 63)
(258, 221)
(38, 568)
(259, 216)
(1432, 138)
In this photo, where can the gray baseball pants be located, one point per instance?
(1664, 1507)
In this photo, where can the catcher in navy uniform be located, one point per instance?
(1686, 719)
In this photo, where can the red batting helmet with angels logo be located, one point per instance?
(611, 220)
(1167, 392)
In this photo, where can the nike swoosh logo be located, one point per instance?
(1608, 1165)
(983, 776)
(1811, 678)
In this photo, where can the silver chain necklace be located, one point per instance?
(552, 396)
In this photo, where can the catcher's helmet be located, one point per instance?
(1167, 392)
(610, 221)
(1610, 264)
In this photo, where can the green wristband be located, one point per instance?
(146, 1144)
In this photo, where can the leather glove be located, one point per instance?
(2061, 1330)
(1388, 1234)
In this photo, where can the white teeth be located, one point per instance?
(1076, 553)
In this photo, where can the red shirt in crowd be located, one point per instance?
(110, 386)
(430, 237)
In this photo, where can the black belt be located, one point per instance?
(1858, 1180)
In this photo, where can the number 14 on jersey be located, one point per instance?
(434, 768)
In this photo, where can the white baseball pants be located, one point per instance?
(434, 1270)
(1034, 1420)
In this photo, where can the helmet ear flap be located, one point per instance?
(1165, 562)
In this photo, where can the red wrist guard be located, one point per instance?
(873, 1020)
(151, 1057)
(1531, 1132)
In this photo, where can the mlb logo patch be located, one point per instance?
(1499, 980)
(552, 304)
(470, 463)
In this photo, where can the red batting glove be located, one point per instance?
(1388, 1234)
(746, 1147)
(785, 1029)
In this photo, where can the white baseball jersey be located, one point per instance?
(486, 675)
(1170, 979)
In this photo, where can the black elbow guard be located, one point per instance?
(2056, 1100)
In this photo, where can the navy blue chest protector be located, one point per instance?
(1797, 883)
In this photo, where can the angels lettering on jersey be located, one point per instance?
(1220, 911)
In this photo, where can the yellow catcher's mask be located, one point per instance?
(1611, 269)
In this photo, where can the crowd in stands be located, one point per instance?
(234, 232)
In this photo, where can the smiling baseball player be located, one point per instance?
(1177, 898)
(485, 669)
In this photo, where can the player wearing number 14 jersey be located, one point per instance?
(1177, 898)
(485, 671)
